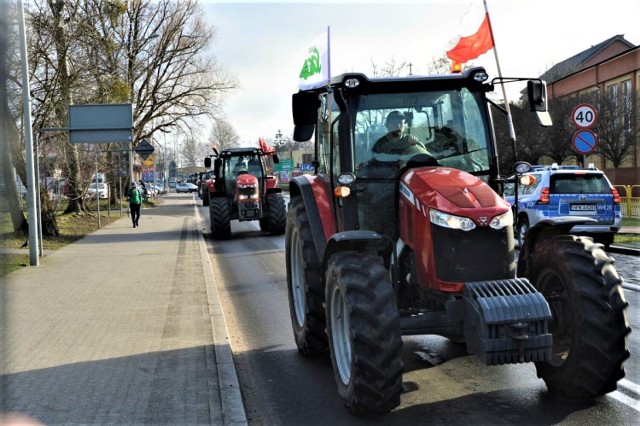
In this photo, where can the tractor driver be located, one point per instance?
(396, 146)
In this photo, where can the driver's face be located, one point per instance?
(395, 124)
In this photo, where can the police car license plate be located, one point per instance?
(583, 207)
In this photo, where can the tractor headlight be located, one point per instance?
(502, 221)
(450, 221)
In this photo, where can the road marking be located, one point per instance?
(629, 385)
(631, 286)
(624, 398)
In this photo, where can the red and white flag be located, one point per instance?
(265, 147)
(470, 47)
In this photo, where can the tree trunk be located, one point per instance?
(76, 203)
(10, 136)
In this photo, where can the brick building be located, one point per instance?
(610, 68)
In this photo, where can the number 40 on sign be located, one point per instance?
(584, 116)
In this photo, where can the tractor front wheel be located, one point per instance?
(277, 214)
(589, 323)
(304, 285)
(363, 325)
(220, 218)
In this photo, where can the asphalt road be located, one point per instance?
(442, 384)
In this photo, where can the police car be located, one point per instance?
(560, 191)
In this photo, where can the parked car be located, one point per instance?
(186, 187)
(103, 190)
(569, 191)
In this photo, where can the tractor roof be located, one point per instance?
(238, 152)
(472, 77)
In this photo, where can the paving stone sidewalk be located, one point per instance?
(121, 327)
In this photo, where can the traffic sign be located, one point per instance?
(585, 141)
(584, 116)
(144, 149)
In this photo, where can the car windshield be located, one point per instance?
(579, 184)
(449, 124)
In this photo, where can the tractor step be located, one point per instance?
(506, 321)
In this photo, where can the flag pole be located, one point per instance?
(329, 53)
(512, 131)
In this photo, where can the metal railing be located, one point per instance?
(629, 204)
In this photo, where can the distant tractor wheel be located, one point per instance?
(589, 323)
(220, 218)
(363, 326)
(277, 214)
(205, 196)
(304, 284)
(521, 229)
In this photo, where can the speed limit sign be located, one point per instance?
(584, 116)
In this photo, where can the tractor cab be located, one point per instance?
(372, 130)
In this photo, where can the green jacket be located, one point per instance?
(134, 196)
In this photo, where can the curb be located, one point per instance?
(233, 412)
(624, 250)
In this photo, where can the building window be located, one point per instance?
(627, 104)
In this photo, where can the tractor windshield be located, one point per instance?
(392, 128)
(448, 125)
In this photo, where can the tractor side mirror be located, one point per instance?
(305, 115)
(537, 95)
(276, 158)
(207, 162)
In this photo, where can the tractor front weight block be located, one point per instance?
(506, 322)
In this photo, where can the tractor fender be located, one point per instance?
(359, 241)
(546, 228)
(316, 203)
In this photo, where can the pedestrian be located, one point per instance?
(135, 200)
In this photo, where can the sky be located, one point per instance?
(263, 43)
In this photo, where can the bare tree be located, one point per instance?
(153, 54)
(555, 141)
(223, 136)
(616, 133)
(194, 150)
(391, 68)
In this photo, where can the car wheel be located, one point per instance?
(522, 229)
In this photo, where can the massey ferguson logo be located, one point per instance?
(483, 220)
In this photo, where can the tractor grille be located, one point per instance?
(476, 255)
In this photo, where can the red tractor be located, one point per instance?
(403, 230)
(239, 187)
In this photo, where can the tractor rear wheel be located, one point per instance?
(277, 214)
(304, 286)
(363, 325)
(589, 323)
(220, 218)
